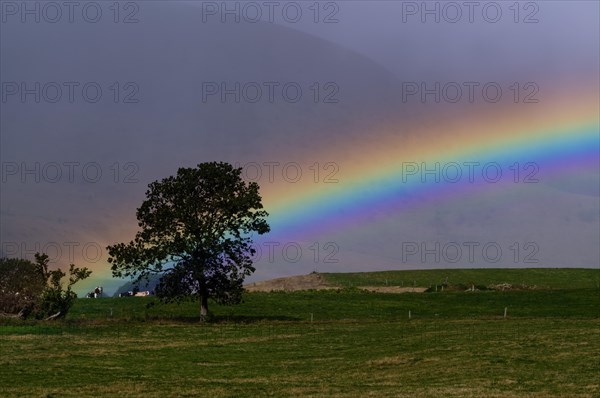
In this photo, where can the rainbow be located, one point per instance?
(375, 181)
(529, 147)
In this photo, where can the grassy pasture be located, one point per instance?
(359, 344)
(353, 304)
(546, 278)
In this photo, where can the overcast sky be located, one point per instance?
(160, 67)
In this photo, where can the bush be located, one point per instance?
(28, 288)
(21, 284)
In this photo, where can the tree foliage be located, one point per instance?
(196, 231)
(56, 301)
(21, 285)
(28, 288)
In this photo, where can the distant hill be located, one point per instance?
(539, 278)
(421, 280)
(150, 285)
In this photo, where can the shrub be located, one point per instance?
(21, 284)
(28, 288)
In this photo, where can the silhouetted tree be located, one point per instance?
(196, 231)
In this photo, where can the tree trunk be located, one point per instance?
(203, 307)
(202, 290)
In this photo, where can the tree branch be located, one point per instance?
(53, 316)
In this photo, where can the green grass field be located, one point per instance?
(555, 278)
(358, 344)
